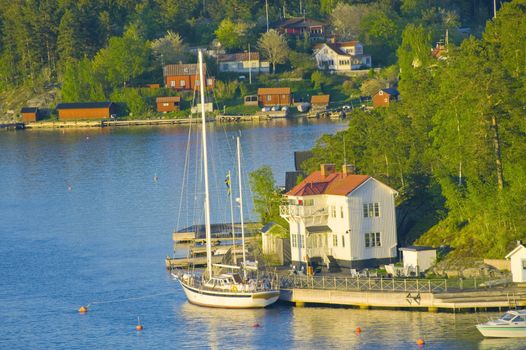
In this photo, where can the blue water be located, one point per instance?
(83, 222)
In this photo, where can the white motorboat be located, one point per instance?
(510, 325)
(228, 290)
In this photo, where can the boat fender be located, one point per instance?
(234, 289)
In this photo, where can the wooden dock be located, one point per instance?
(200, 261)
(433, 295)
(12, 126)
(433, 302)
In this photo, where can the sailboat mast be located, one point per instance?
(232, 219)
(205, 167)
(241, 200)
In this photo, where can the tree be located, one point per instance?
(274, 47)
(347, 19)
(68, 37)
(125, 58)
(267, 197)
(232, 35)
(169, 49)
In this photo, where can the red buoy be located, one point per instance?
(358, 330)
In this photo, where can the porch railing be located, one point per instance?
(383, 284)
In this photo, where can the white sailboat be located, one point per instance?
(227, 290)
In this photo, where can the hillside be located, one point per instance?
(454, 145)
(93, 50)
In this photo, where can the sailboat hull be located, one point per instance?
(237, 300)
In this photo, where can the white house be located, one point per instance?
(242, 62)
(518, 263)
(418, 258)
(341, 218)
(343, 56)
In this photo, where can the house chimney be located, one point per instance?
(348, 169)
(327, 169)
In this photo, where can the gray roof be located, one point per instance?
(182, 69)
(416, 248)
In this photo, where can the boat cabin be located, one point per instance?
(224, 281)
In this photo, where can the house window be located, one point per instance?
(371, 209)
(373, 239)
(334, 240)
(376, 209)
(341, 212)
(209, 82)
(197, 83)
(294, 241)
(333, 211)
(182, 83)
(308, 202)
(301, 240)
(524, 264)
(378, 241)
(172, 83)
(343, 241)
(165, 104)
(269, 97)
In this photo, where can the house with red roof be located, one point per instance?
(341, 56)
(341, 219)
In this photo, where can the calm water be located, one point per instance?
(82, 221)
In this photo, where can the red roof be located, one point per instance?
(334, 183)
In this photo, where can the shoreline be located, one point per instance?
(76, 124)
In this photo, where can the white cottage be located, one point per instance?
(343, 56)
(518, 263)
(242, 62)
(340, 218)
(418, 258)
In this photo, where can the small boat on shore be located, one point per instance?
(510, 325)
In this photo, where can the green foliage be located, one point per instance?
(274, 47)
(232, 35)
(453, 146)
(125, 58)
(132, 102)
(267, 197)
(226, 90)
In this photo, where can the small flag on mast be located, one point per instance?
(227, 183)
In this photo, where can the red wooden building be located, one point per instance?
(29, 114)
(384, 97)
(168, 103)
(274, 96)
(320, 101)
(185, 76)
(87, 110)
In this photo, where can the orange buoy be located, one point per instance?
(83, 309)
(139, 326)
(358, 330)
(420, 342)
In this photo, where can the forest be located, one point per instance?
(454, 146)
(90, 50)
